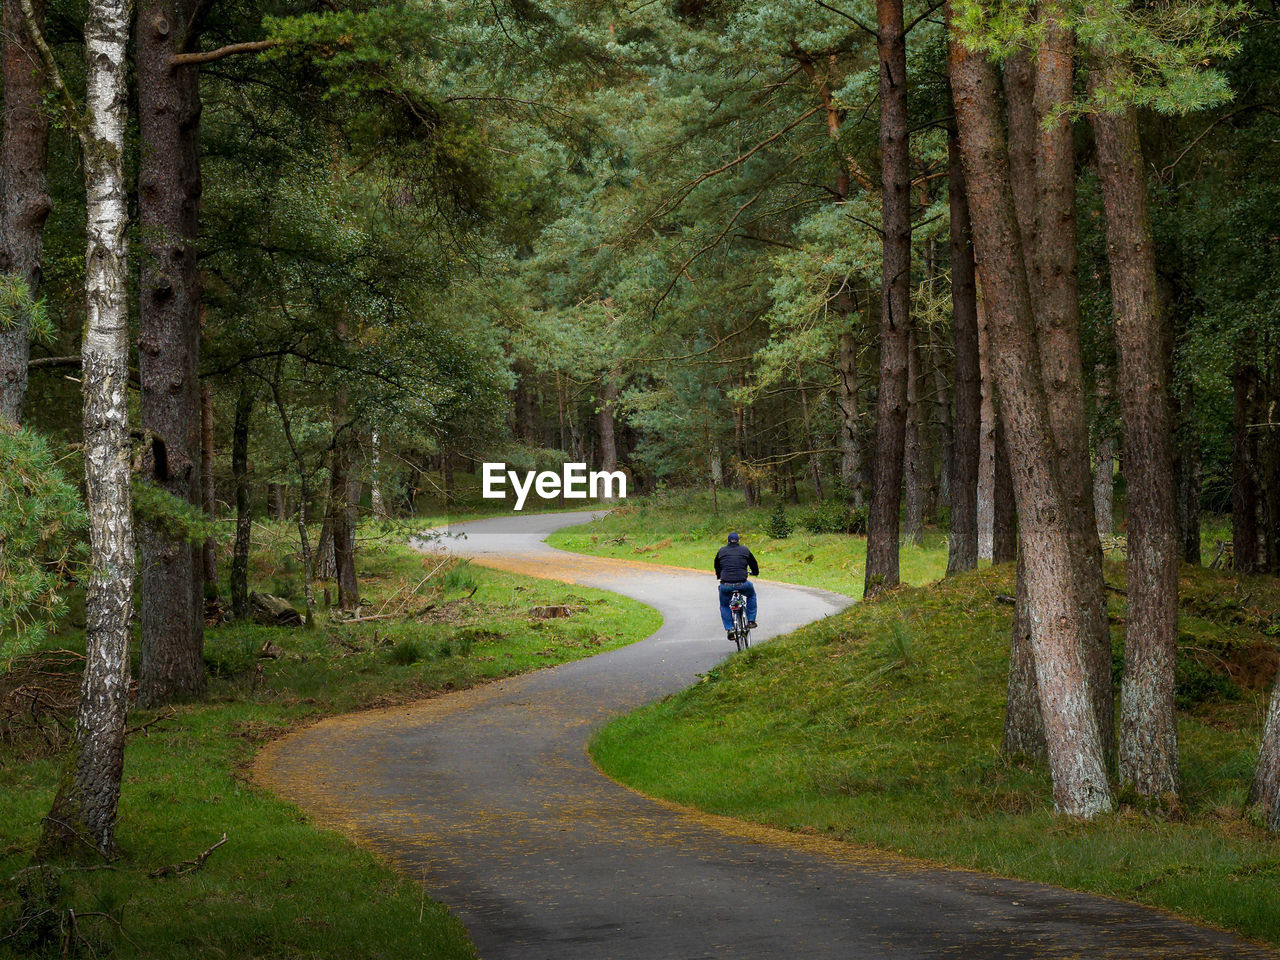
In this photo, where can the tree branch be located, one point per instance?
(74, 116)
(850, 17)
(209, 56)
(679, 197)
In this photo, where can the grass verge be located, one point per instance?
(279, 887)
(882, 726)
(684, 529)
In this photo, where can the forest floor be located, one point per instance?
(882, 726)
(279, 886)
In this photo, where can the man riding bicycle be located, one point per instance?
(733, 563)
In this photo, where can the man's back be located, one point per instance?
(734, 562)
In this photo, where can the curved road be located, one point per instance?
(488, 796)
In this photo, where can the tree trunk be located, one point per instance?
(1188, 472)
(275, 495)
(916, 473)
(749, 493)
(344, 533)
(895, 321)
(1056, 305)
(962, 551)
(1244, 490)
(942, 391)
(987, 446)
(172, 664)
(526, 404)
(244, 504)
(1148, 757)
(207, 490)
(1057, 605)
(1104, 483)
(815, 458)
(87, 794)
(1004, 525)
(1023, 728)
(24, 192)
(604, 422)
(1265, 789)
(376, 502)
(847, 402)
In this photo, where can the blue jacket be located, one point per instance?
(733, 560)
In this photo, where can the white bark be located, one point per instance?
(88, 800)
(375, 479)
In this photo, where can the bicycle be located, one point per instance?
(738, 610)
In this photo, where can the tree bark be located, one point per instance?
(376, 502)
(526, 404)
(1104, 483)
(1188, 472)
(750, 493)
(942, 391)
(1265, 789)
(916, 472)
(987, 446)
(815, 458)
(1004, 525)
(207, 489)
(85, 802)
(847, 402)
(1244, 445)
(1056, 304)
(895, 322)
(1056, 604)
(1023, 728)
(1148, 756)
(244, 504)
(604, 422)
(172, 665)
(962, 550)
(342, 523)
(24, 193)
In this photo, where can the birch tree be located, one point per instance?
(84, 807)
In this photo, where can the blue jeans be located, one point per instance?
(748, 590)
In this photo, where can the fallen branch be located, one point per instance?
(144, 727)
(186, 866)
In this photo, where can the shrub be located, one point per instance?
(41, 523)
(778, 526)
(408, 651)
(460, 577)
(834, 516)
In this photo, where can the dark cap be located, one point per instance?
(733, 538)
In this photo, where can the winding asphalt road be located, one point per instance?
(489, 798)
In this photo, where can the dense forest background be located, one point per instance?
(711, 244)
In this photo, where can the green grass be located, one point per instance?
(681, 528)
(280, 887)
(882, 726)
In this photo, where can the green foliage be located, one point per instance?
(778, 526)
(175, 517)
(835, 516)
(18, 306)
(41, 526)
(1197, 683)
